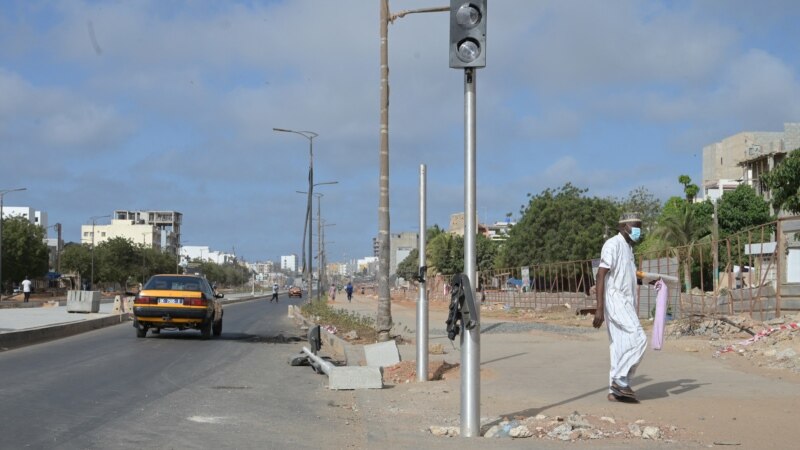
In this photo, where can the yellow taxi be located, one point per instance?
(177, 302)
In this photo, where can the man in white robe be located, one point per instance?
(616, 304)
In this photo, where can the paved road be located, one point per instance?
(108, 389)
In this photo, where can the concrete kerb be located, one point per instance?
(21, 338)
(345, 377)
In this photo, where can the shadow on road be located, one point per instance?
(649, 392)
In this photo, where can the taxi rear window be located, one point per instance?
(174, 284)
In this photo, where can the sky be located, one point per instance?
(170, 105)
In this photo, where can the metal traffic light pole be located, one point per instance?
(468, 51)
(471, 338)
(422, 304)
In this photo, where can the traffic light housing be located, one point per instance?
(467, 33)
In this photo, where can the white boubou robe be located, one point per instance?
(625, 333)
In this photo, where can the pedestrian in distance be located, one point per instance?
(332, 292)
(274, 293)
(26, 289)
(616, 305)
(349, 290)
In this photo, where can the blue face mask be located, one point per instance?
(635, 234)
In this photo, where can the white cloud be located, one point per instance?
(200, 85)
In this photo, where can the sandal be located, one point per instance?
(621, 399)
(622, 391)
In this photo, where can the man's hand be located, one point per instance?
(598, 318)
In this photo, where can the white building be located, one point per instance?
(400, 246)
(744, 158)
(204, 253)
(138, 233)
(368, 265)
(289, 262)
(33, 216)
(497, 231)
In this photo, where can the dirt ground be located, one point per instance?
(767, 350)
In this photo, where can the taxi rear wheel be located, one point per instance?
(217, 329)
(205, 329)
(141, 332)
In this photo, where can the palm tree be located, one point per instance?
(680, 232)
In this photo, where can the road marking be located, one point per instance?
(205, 419)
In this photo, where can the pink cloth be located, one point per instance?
(661, 314)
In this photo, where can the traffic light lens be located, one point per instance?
(468, 16)
(468, 50)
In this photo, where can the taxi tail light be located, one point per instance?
(145, 301)
(195, 302)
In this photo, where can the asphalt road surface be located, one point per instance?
(109, 389)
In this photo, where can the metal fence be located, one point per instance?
(743, 273)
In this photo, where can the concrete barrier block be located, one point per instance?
(83, 301)
(353, 377)
(382, 354)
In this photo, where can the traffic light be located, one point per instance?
(467, 33)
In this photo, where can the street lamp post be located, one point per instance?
(94, 222)
(310, 135)
(308, 215)
(3, 192)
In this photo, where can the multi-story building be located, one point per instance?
(168, 223)
(35, 217)
(367, 266)
(497, 231)
(744, 158)
(400, 246)
(289, 262)
(204, 253)
(54, 245)
(138, 233)
(149, 228)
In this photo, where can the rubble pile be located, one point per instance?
(776, 345)
(713, 327)
(574, 427)
(773, 344)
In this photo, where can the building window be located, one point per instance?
(102, 234)
(86, 234)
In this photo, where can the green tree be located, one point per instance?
(784, 182)
(155, 261)
(740, 209)
(559, 225)
(680, 229)
(689, 188)
(409, 267)
(642, 201)
(446, 254)
(24, 250)
(77, 258)
(115, 261)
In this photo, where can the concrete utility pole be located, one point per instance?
(384, 314)
(3, 192)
